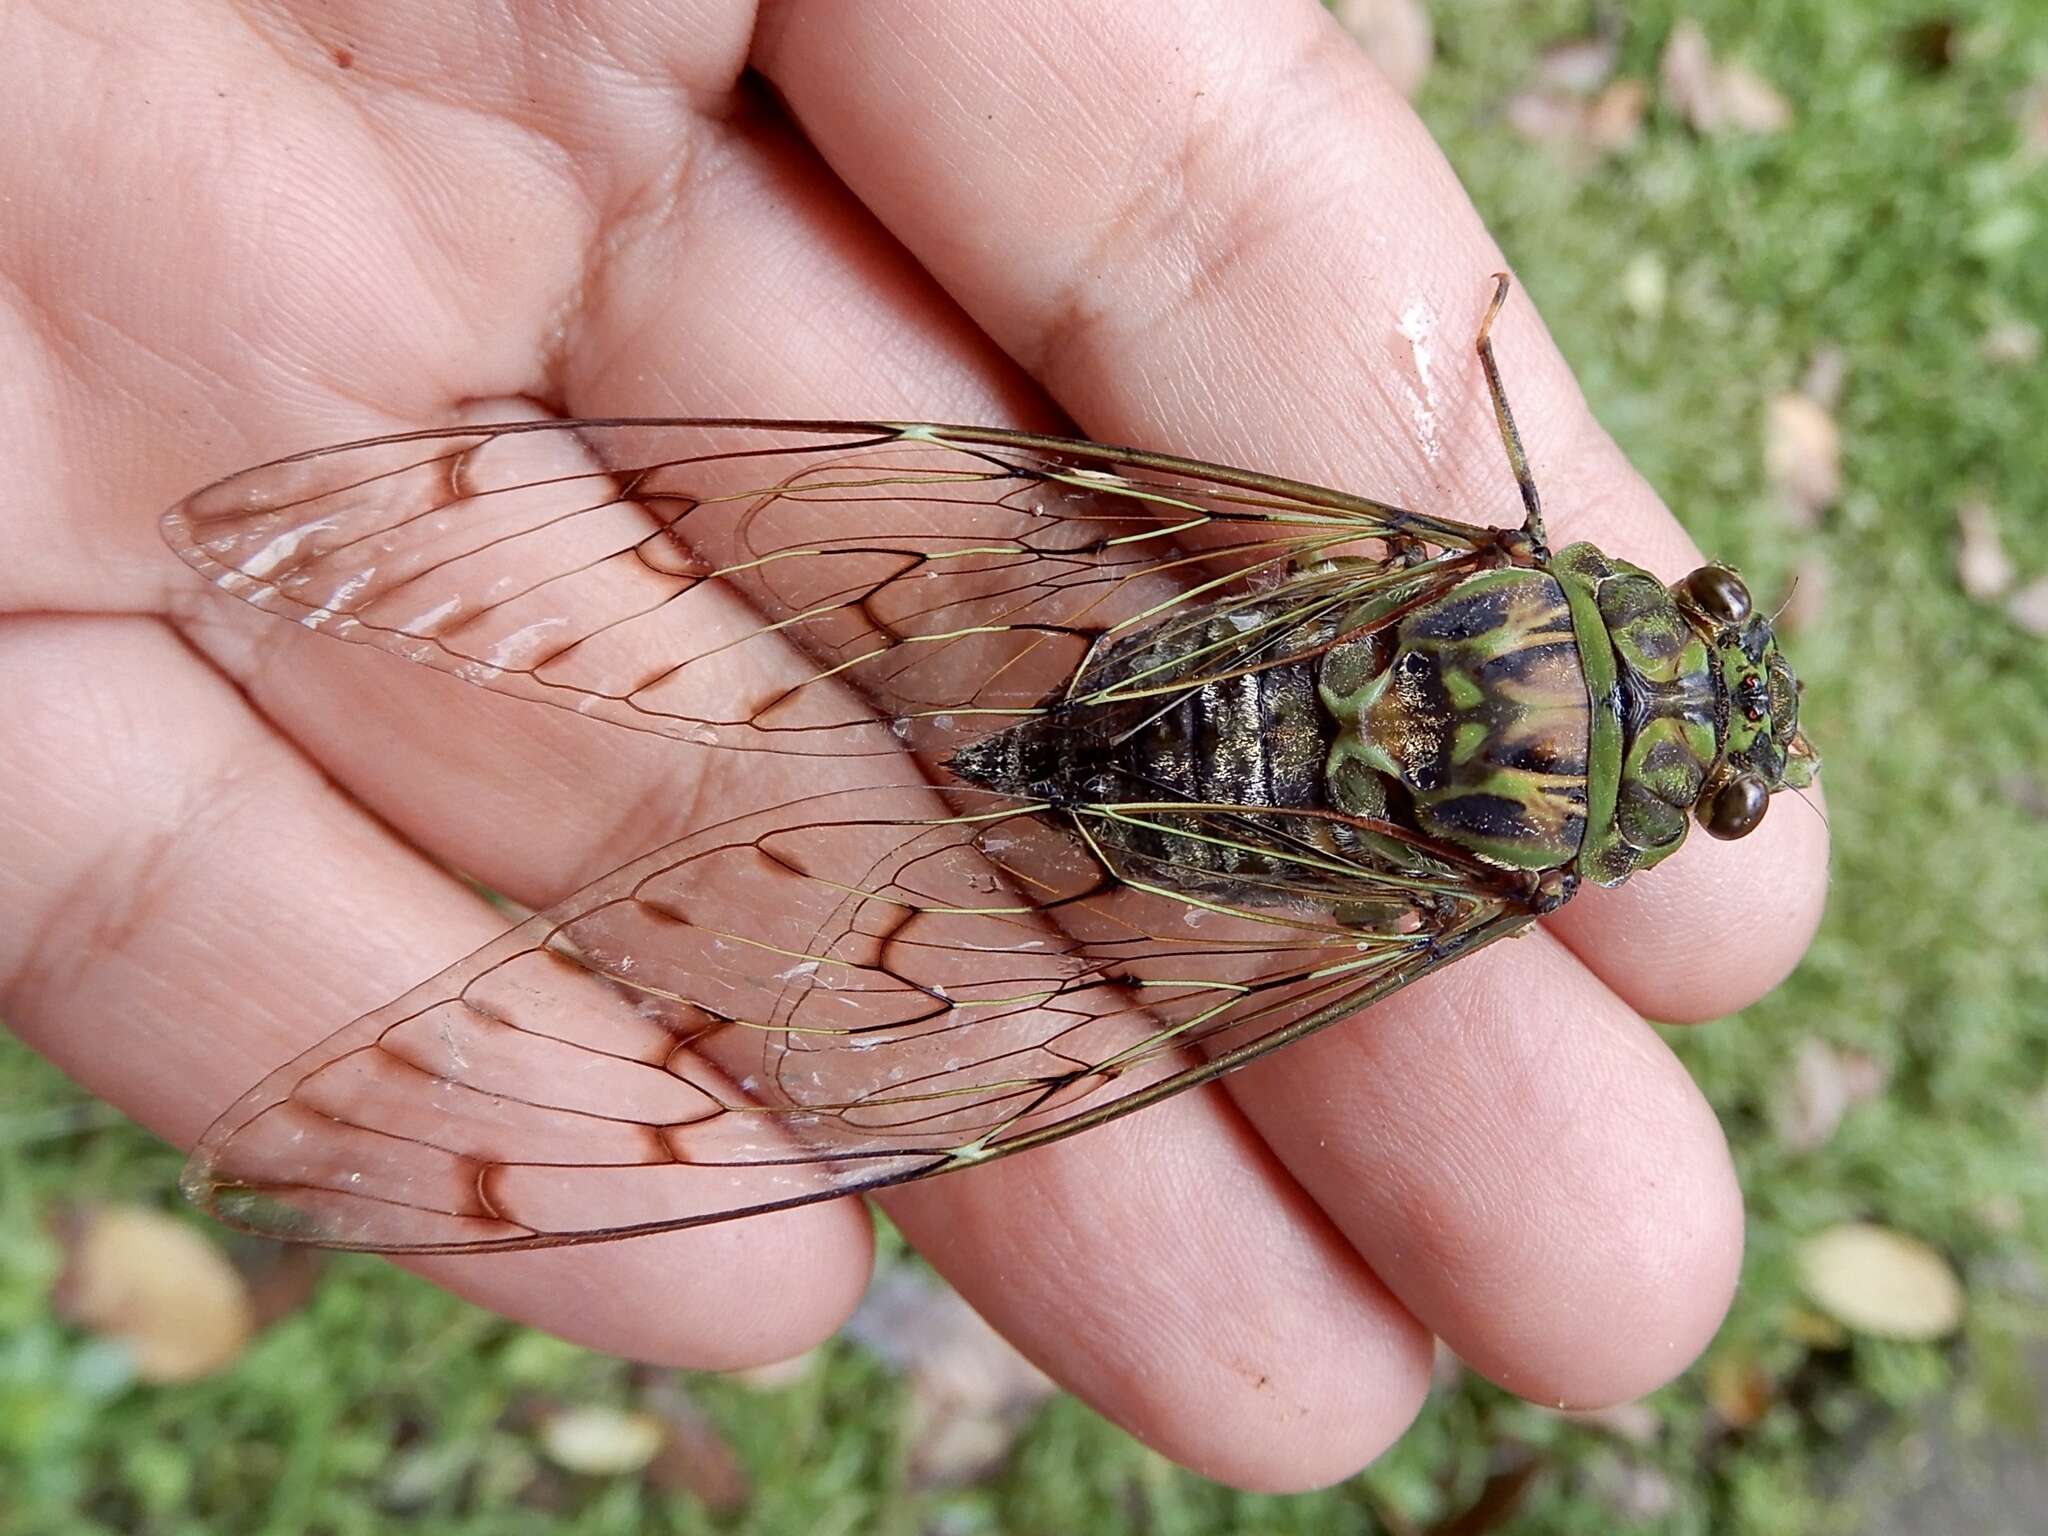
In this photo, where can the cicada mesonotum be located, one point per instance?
(1079, 776)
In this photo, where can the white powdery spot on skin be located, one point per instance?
(1418, 328)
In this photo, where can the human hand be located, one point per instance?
(1198, 228)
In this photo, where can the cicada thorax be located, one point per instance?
(1560, 717)
(1473, 718)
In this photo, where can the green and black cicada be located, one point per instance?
(1082, 776)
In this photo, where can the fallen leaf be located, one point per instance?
(1826, 372)
(1882, 1283)
(2002, 1214)
(2026, 792)
(1396, 35)
(695, 1457)
(1500, 1500)
(600, 1440)
(1547, 117)
(1750, 103)
(1739, 1390)
(1982, 565)
(2030, 113)
(2028, 607)
(1806, 599)
(1802, 456)
(1585, 129)
(1826, 1083)
(1615, 119)
(1686, 74)
(1578, 67)
(970, 1392)
(157, 1285)
(1716, 98)
(2011, 344)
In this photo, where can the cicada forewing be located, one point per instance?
(871, 984)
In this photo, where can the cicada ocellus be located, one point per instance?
(1084, 775)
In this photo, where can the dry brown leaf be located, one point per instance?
(1739, 1389)
(1806, 600)
(695, 1457)
(1802, 456)
(1585, 129)
(1875, 1281)
(601, 1440)
(970, 1392)
(1615, 119)
(1499, 1500)
(1578, 67)
(2012, 344)
(2027, 792)
(1716, 98)
(1826, 1083)
(1826, 372)
(1750, 103)
(1547, 117)
(159, 1286)
(1396, 35)
(2030, 112)
(1686, 74)
(2028, 607)
(1982, 566)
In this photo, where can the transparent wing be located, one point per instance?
(836, 589)
(839, 993)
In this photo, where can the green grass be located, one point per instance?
(1895, 221)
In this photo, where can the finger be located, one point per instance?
(1246, 243)
(186, 896)
(1528, 1167)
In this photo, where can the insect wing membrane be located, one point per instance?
(851, 989)
(811, 588)
(843, 992)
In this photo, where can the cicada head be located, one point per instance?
(1760, 749)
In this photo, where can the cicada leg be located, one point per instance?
(1518, 461)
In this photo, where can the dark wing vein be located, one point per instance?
(935, 581)
(840, 993)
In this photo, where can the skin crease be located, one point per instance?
(1192, 225)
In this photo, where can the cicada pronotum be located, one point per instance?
(1128, 769)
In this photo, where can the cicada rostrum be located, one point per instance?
(1089, 774)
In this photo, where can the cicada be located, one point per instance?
(1082, 775)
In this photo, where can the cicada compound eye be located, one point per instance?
(1718, 593)
(1737, 808)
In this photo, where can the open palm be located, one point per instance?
(230, 232)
